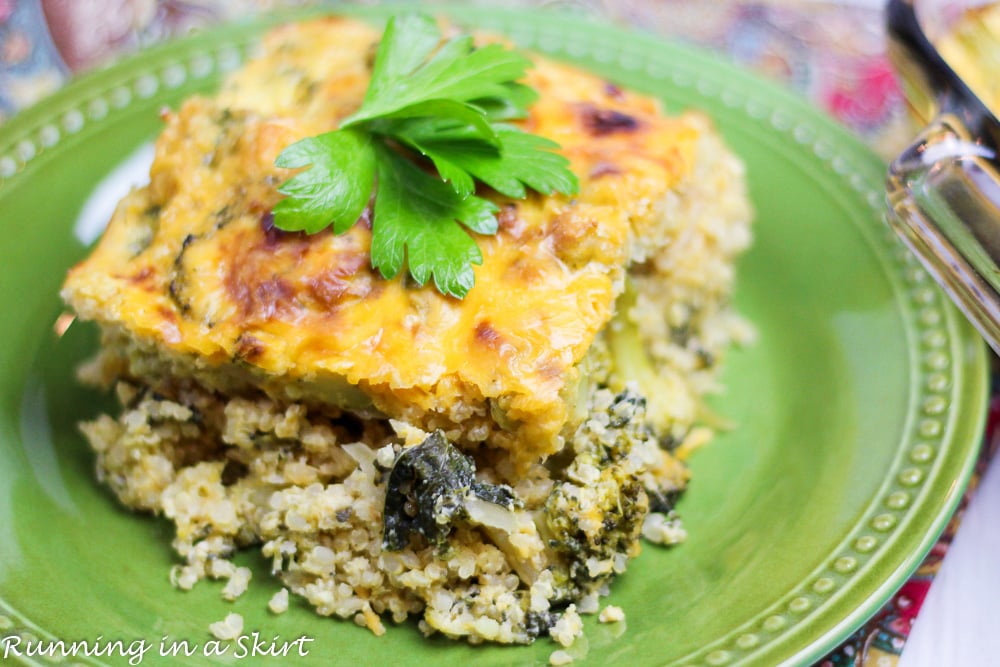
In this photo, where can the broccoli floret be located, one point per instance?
(426, 493)
(594, 517)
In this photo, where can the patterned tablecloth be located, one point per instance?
(832, 52)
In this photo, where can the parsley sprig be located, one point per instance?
(433, 122)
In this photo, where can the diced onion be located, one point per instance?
(363, 454)
(490, 514)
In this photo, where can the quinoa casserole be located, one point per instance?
(487, 465)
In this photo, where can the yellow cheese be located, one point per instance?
(191, 267)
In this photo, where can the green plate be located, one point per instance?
(859, 410)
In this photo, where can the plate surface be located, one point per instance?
(858, 411)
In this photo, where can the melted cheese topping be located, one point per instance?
(191, 264)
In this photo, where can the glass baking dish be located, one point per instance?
(944, 189)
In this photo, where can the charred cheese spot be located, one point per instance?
(600, 122)
(508, 220)
(487, 336)
(332, 285)
(248, 348)
(604, 169)
(254, 275)
(261, 300)
(613, 91)
(167, 325)
(144, 278)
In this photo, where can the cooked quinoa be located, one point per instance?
(611, 614)
(228, 628)
(279, 602)
(491, 505)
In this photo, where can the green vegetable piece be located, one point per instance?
(426, 493)
(616, 495)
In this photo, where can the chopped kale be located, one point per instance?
(663, 501)
(538, 623)
(426, 493)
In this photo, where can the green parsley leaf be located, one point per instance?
(335, 190)
(417, 217)
(514, 104)
(459, 114)
(406, 43)
(522, 160)
(447, 102)
(456, 71)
